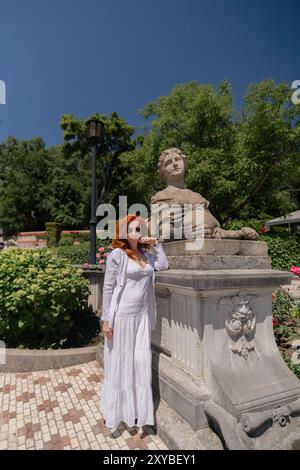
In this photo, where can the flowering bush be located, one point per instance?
(263, 229)
(295, 270)
(80, 254)
(286, 324)
(103, 253)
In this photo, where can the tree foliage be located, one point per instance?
(246, 163)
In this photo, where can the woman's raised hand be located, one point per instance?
(149, 240)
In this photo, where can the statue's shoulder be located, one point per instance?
(160, 195)
(173, 194)
(193, 196)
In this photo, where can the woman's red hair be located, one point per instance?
(119, 241)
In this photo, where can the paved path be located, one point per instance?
(59, 409)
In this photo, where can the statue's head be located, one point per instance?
(172, 165)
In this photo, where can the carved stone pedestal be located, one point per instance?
(95, 274)
(214, 354)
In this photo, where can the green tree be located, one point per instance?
(65, 193)
(243, 163)
(39, 185)
(197, 119)
(268, 152)
(22, 178)
(115, 140)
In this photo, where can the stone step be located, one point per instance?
(211, 246)
(207, 262)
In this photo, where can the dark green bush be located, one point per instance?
(65, 241)
(283, 248)
(238, 224)
(43, 301)
(76, 254)
(79, 254)
(53, 233)
(68, 239)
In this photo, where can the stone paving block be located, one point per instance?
(60, 410)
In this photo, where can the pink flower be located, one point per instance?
(101, 249)
(275, 322)
(106, 255)
(98, 255)
(295, 270)
(101, 261)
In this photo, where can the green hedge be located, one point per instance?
(284, 249)
(53, 233)
(43, 301)
(67, 239)
(76, 254)
(79, 254)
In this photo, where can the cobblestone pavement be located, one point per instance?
(60, 409)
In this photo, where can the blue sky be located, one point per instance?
(83, 56)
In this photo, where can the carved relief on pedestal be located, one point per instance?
(161, 334)
(277, 428)
(240, 322)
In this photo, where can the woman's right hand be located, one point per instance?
(107, 331)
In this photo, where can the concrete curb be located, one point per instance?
(29, 360)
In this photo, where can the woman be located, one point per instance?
(129, 314)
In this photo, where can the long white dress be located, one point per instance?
(127, 388)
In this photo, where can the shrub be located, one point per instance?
(286, 323)
(53, 233)
(75, 254)
(80, 254)
(102, 254)
(68, 239)
(65, 241)
(284, 249)
(43, 301)
(238, 224)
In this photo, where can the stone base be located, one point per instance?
(95, 274)
(178, 434)
(177, 387)
(215, 358)
(209, 254)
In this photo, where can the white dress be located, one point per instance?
(127, 388)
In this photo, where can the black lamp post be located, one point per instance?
(94, 128)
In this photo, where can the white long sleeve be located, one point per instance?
(109, 283)
(161, 261)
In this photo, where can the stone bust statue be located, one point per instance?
(172, 165)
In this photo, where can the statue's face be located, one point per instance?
(173, 167)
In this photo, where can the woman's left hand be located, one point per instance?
(149, 240)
